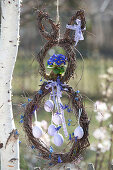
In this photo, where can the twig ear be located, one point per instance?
(79, 14)
(55, 27)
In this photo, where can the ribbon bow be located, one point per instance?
(52, 84)
(78, 31)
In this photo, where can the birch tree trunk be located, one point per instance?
(10, 18)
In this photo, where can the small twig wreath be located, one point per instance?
(55, 87)
(52, 40)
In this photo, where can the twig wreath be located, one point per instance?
(55, 86)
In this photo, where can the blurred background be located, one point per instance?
(97, 51)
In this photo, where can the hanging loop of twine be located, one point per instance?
(58, 19)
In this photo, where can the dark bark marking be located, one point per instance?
(13, 136)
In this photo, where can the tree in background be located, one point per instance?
(9, 143)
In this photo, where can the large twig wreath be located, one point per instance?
(67, 43)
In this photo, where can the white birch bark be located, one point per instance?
(10, 18)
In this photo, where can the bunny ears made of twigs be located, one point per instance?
(53, 40)
(53, 35)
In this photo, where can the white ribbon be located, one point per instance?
(58, 103)
(78, 31)
(52, 84)
(63, 119)
(80, 112)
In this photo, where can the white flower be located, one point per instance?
(103, 92)
(44, 124)
(110, 70)
(112, 161)
(103, 76)
(109, 92)
(111, 108)
(100, 106)
(100, 133)
(93, 147)
(104, 146)
(103, 117)
(37, 123)
(103, 85)
(111, 126)
(46, 139)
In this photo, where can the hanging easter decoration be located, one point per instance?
(37, 131)
(58, 139)
(61, 68)
(48, 106)
(56, 119)
(52, 130)
(78, 132)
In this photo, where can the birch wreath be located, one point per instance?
(56, 86)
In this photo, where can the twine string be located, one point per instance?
(80, 112)
(35, 114)
(58, 19)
